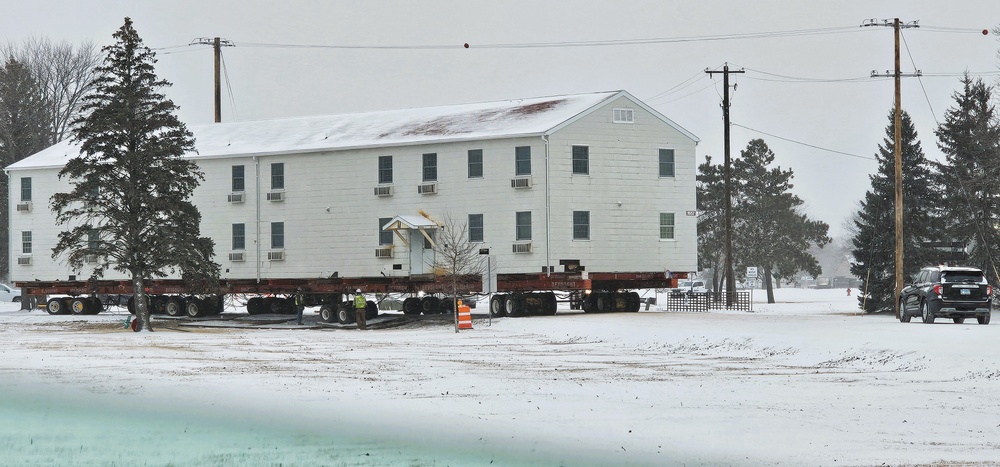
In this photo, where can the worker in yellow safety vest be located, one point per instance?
(360, 305)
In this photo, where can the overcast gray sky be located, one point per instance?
(812, 86)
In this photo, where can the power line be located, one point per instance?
(804, 144)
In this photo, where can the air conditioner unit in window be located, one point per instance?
(237, 256)
(277, 255)
(383, 252)
(521, 182)
(24, 260)
(427, 188)
(24, 206)
(276, 196)
(383, 190)
(522, 248)
(236, 197)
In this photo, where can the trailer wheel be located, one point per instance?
(429, 305)
(634, 302)
(158, 305)
(345, 314)
(254, 305)
(590, 302)
(498, 305)
(78, 305)
(130, 304)
(371, 310)
(174, 306)
(604, 302)
(55, 306)
(411, 306)
(194, 307)
(447, 306)
(549, 304)
(96, 306)
(326, 313)
(515, 304)
(279, 306)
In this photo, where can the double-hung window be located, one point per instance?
(239, 236)
(385, 169)
(475, 163)
(384, 236)
(278, 176)
(430, 167)
(277, 235)
(581, 160)
(666, 162)
(522, 160)
(25, 188)
(26, 242)
(475, 228)
(666, 226)
(581, 225)
(239, 178)
(522, 226)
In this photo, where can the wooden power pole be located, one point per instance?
(216, 44)
(898, 123)
(728, 263)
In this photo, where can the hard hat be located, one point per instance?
(359, 290)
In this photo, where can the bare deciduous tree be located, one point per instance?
(457, 259)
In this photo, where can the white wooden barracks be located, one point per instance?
(598, 178)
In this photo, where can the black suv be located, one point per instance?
(946, 292)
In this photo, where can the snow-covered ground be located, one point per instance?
(806, 381)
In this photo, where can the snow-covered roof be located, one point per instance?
(487, 120)
(409, 222)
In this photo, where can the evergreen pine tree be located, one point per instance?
(129, 205)
(970, 140)
(711, 220)
(770, 231)
(24, 130)
(874, 238)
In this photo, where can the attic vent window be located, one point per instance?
(624, 116)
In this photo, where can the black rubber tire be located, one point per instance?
(265, 304)
(498, 305)
(130, 304)
(605, 302)
(429, 305)
(549, 304)
(55, 306)
(255, 305)
(447, 306)
(371, 310)
(346, 314)
(174, 306)
(634, 302)
(279, 306)
(411, 306)
(78, 305)
(983, 319)
(903, 315)
(515, 305)
(194, 307)
(925, 313)
(958, 320)
(96, 306)
(327, 313)
(590, 302)
(158, 305)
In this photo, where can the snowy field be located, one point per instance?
(806, 381)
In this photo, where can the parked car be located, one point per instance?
(9, 294)
(689, 287)
(947, 292)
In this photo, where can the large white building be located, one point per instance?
(600, 180)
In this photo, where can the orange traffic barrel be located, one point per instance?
(464, 317)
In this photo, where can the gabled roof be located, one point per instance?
(487, 120)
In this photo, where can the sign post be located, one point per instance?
(751, 282)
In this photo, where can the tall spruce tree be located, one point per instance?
(24, 130)
(129, 206)
(874, 238)
(970, 140)
(770, 231)
(711, 219)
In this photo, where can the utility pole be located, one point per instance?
(216, 44)
(728, 263)
(898, 123)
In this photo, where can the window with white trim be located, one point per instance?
(26, 242)
(25, 188)
(385, 169)
(277, 235)
(431, 167)
(666, 162)
(239, 236)
(278, 176)
(581, 160)
(522, 226)
(475, 228)
(522, 160)
(475, 163)
(239, 178)
(623, 116)
(666, 226)
(384, 236)
(581, 225)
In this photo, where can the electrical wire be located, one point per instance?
(803, 144)
(919, 79)
(229, 86)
